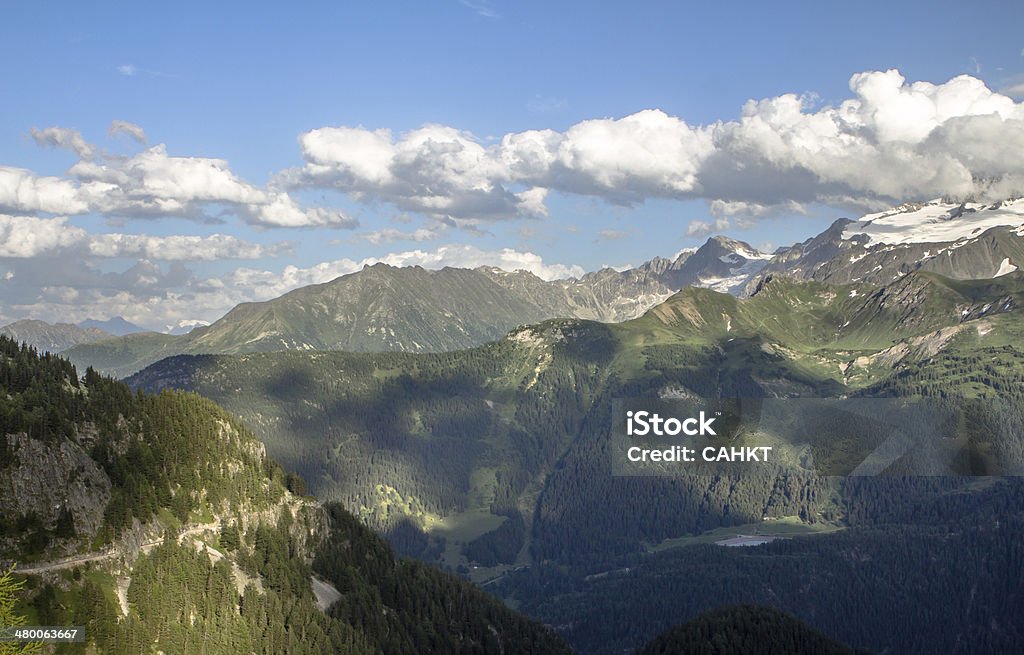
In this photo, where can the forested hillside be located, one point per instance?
(924, 566)
(744, 630)
(158, 524)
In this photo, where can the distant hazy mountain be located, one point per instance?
(116, 326)
(384, 308)
(964, 241)
(53, 338)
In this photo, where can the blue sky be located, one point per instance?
(243, 82)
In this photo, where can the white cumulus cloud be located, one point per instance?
(281, 210)
(435, 170)
(28, 236)
(153, 175)
(152, 183)
(885, 145)
(177, 247)
(892, 141)
(467, 256)
(22, 191)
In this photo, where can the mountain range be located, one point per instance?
(788, 338)
(384, 308)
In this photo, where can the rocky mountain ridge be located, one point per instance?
(959, 240)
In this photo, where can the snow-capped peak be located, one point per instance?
(936, 221)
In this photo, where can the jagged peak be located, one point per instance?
(719, 244)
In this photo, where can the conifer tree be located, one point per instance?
(9, 618)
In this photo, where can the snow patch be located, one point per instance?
(1005, 268)
(729, 284)
(733, 282)
(752, 254)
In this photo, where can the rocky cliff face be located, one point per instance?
(43, 480)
